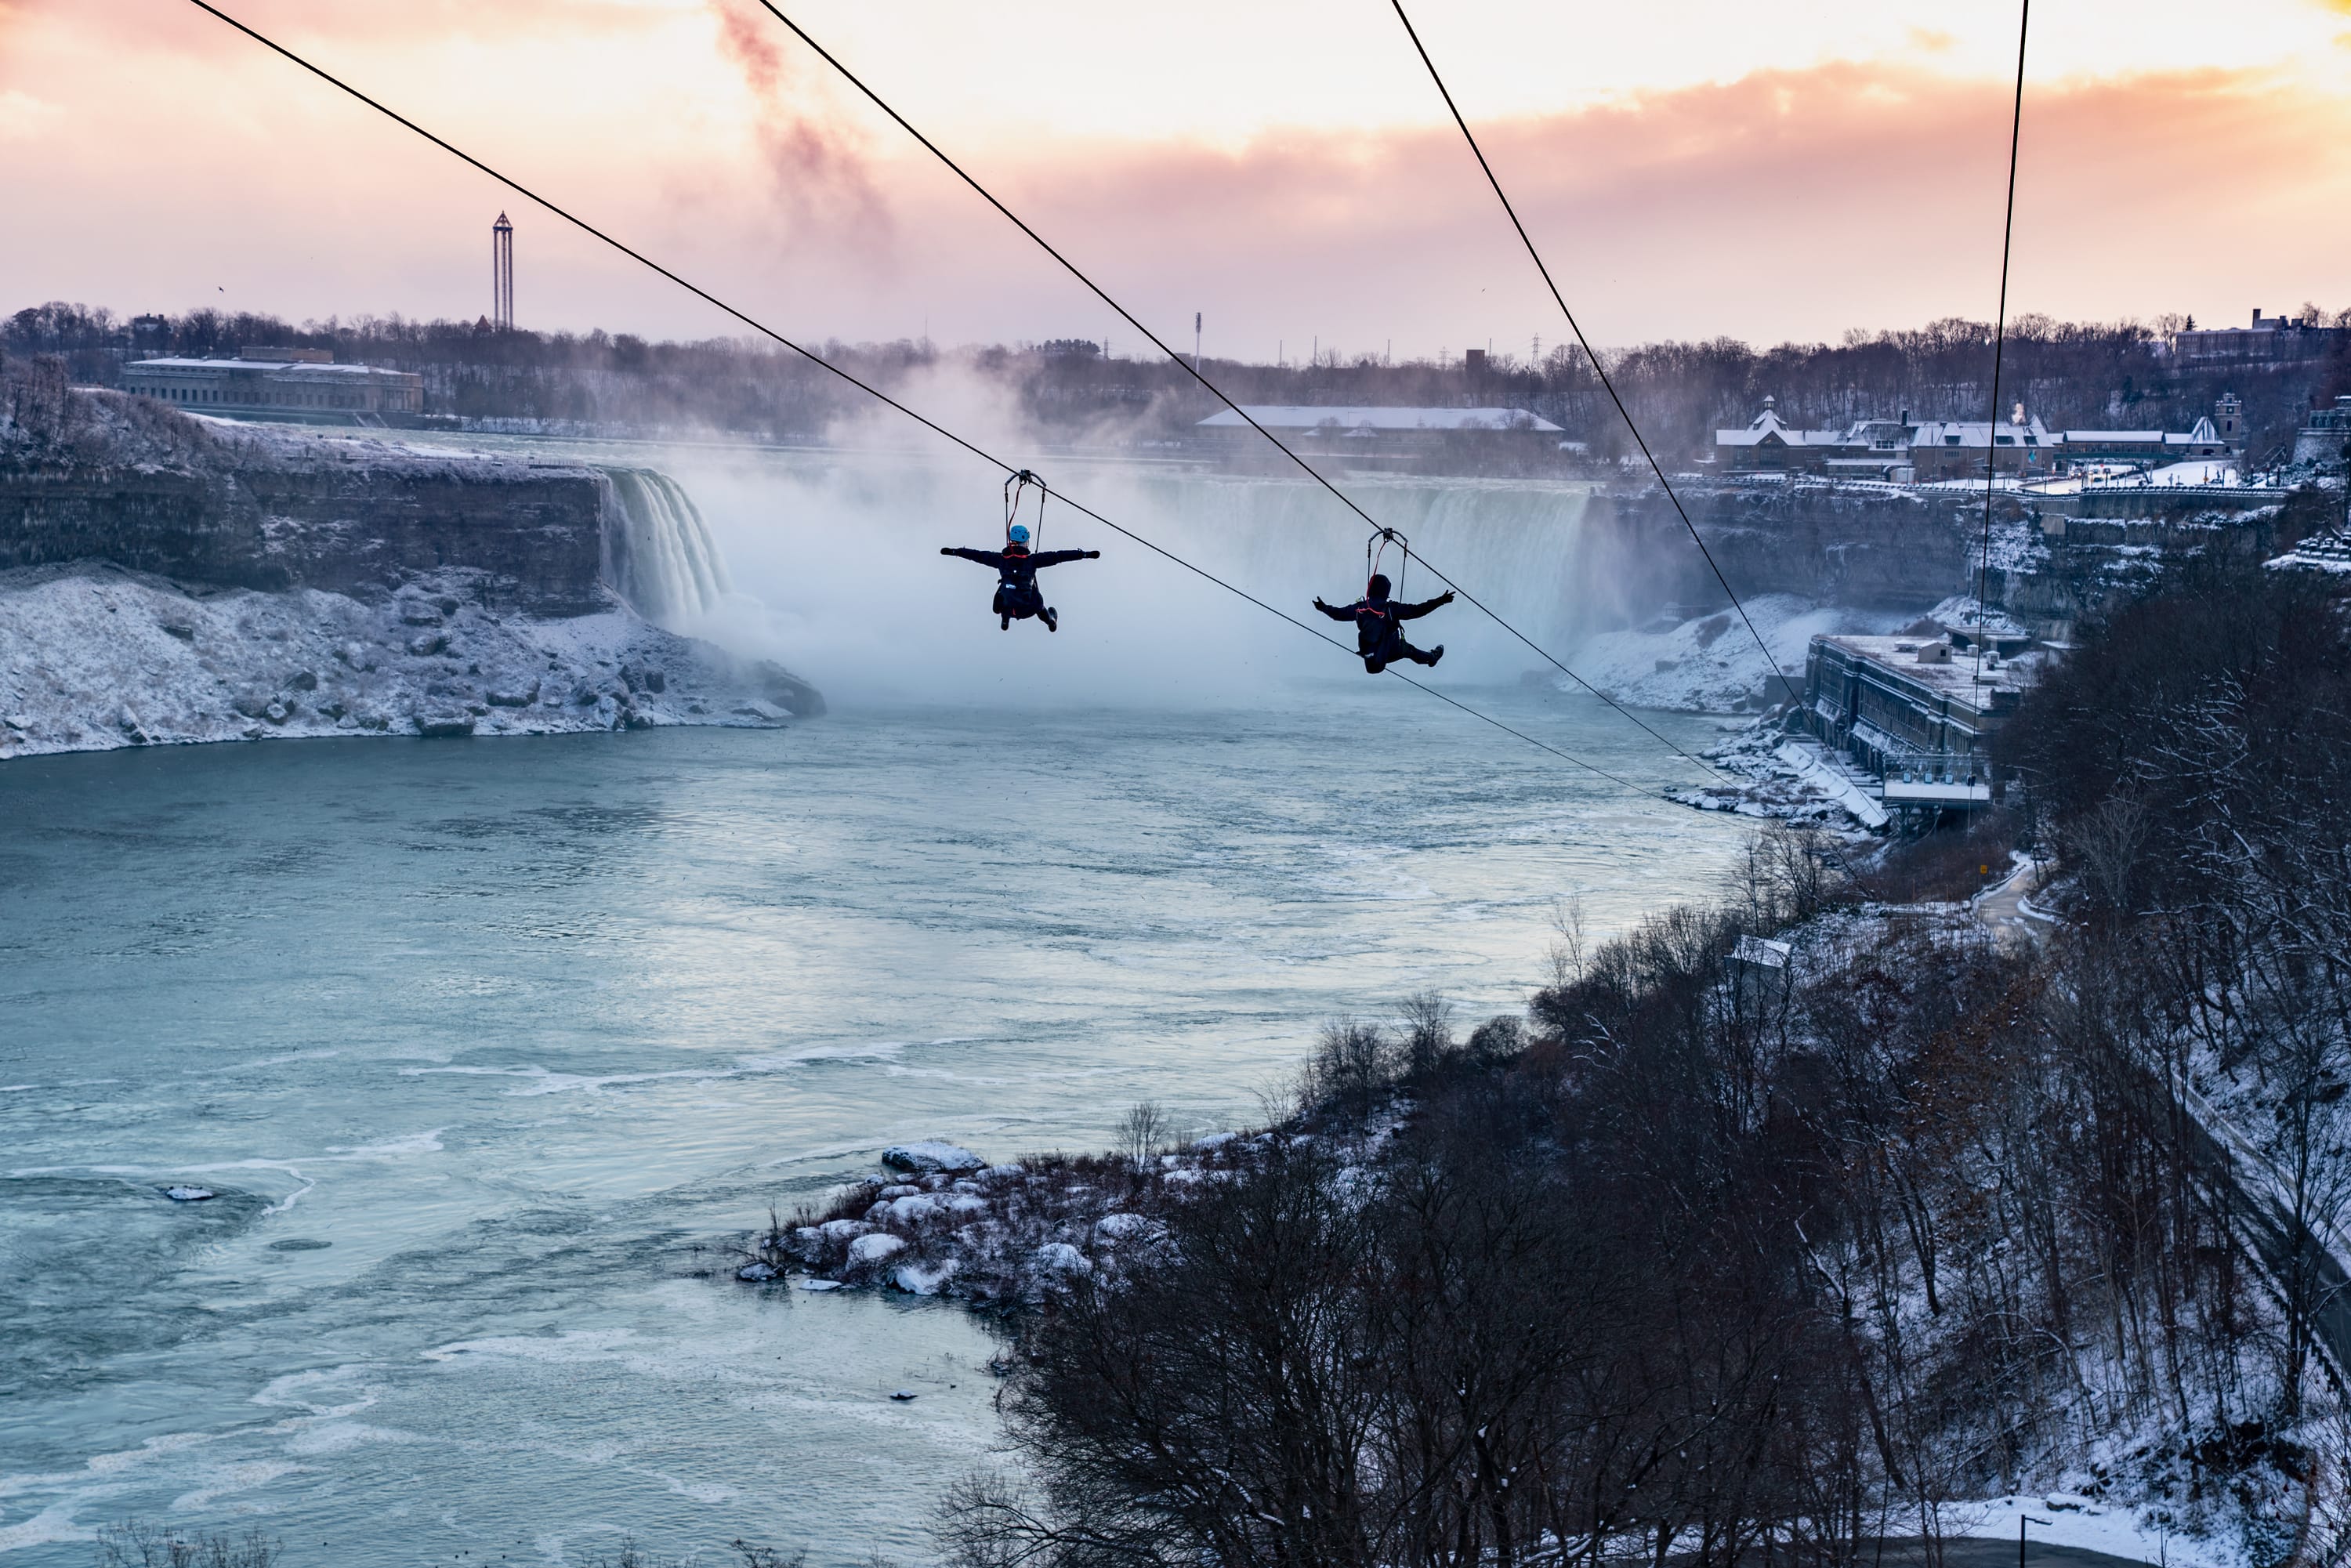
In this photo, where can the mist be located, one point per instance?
(834, 557)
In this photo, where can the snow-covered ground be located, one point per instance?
(93, 657)
(1710, 664)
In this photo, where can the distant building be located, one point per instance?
(2322, 438)
(2269, 341)
(1907, 450)
(300, 383)
(1913, 705)
(1389, 433)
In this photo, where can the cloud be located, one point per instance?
(819, 177)
(1785, 202)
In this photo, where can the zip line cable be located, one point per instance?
(871, 391)
(1192, 369)
(1598, 369)
(2000, 342)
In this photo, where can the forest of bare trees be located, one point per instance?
(2072, 374)
(1718, 1258)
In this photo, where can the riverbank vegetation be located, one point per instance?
(1725, 1249)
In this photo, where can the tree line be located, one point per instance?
(2073, 374)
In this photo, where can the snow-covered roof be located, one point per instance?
(1958, 677)
(1287, 416)
(308, 367)
(1769, 424)
(1979, 433)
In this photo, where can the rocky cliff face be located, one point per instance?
(166, 578)
(1861, 548)
(272, 508)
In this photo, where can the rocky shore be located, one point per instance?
(938, 1219)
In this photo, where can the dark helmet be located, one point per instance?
(1378, 587)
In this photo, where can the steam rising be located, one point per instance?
(819, 175)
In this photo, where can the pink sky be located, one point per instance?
(1691, 168)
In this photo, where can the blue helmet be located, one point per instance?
(1017, 533)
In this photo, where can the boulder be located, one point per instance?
(445, 727)
(916, 1280)
(515, 697)
(189, 1194)
(1117, 1227)
(874, 1247)
(923, 1158)
(1061, 1258)
(180, 629)
(302, 681)
(756, 1273)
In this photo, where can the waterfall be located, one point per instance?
(658, 555)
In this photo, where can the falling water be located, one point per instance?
(658, 556)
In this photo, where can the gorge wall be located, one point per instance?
(165, 579)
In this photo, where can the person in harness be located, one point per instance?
(1379, 630)
(1017, 594)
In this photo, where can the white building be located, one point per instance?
(303, 383)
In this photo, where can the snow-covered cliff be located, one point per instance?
(169, 579)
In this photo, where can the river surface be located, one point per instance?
(491, 1049)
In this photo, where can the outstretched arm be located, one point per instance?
(1056, 556)
(1336, 611)
(988, 557)
(1415, 612)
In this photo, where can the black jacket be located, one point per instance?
(1017, 567)
(1376, 620)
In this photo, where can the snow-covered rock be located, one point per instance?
(189, 1194)
(930, 1156)
(756, 1273)
(874, 1247)
(1114, 1228)
(94, 658)
(1061, 1258)
(918, 1280)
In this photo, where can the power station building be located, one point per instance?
(279, 383)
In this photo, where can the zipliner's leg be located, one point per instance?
(1430, 657)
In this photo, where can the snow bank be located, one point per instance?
(93, 657)
(1709, 663)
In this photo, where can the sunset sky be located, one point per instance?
(1691, 167)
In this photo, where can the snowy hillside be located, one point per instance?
(1710, 664)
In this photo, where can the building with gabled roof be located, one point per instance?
(1932, 449)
